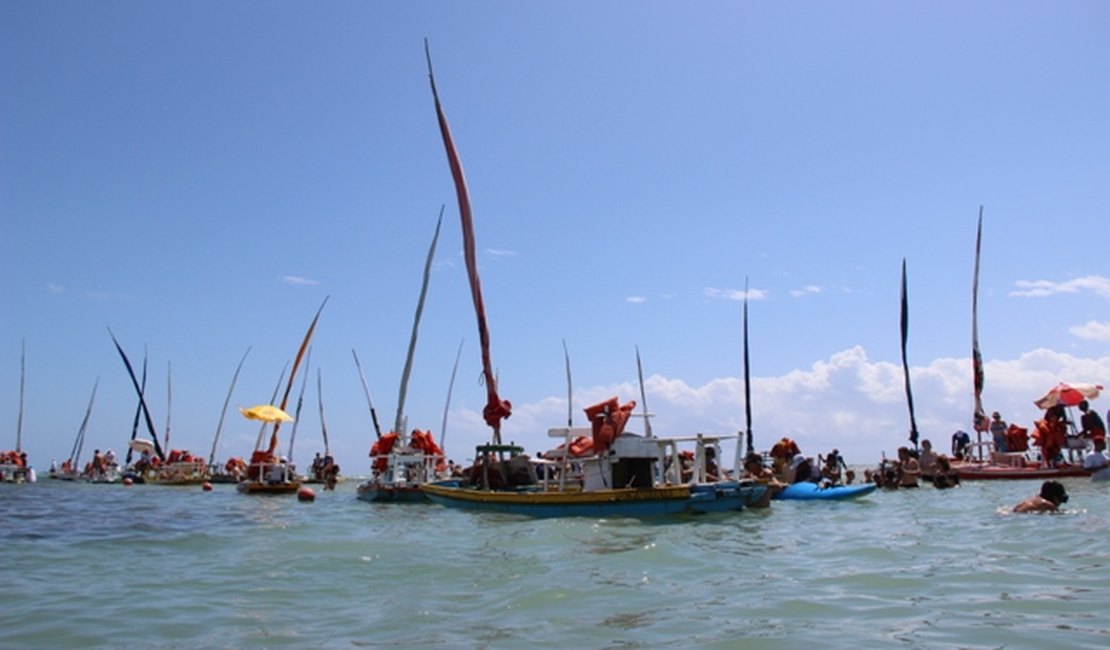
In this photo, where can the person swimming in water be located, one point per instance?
(1052, 496)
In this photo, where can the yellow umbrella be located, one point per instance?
(266, 413)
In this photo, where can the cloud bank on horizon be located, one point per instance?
(846, 402)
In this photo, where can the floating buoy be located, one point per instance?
(207, 487)
(306, 494)
(128, 481)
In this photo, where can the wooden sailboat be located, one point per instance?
(987, 462)
(14, 467)
(626, 476)
(401, 464)
(266, 473)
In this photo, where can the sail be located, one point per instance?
(747, 380)
(979, 417)
(293, 375)
(142, 400)
(905, 365)
(496, 409)
(397, 422)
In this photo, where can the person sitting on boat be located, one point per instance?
(318, 467)
(960, 442)
(909, 470)
(998, 432)
(830, 471)
(98, 465)
(943, 476)
(803, 470)
(110, 458)
(1092, 424)
(1051, 497)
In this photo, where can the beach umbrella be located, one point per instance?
(1068, 395)
(266, 413)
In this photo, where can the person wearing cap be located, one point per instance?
(1052, 496)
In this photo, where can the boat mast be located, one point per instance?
(19, 419)
(320, 399)
(447, 404)
(398, 422)
(79, 443)
(169, 401)
(643, 394)
(369, 400)
(223, 412)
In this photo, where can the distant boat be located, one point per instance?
(625, 474)
(14, 467)
(266, 472)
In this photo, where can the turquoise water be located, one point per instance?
(97, 566)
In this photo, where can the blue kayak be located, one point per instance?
(812, 491)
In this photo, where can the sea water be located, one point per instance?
(110, 566)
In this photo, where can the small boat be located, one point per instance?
(266, 477)
(636, 477)
(400, 464)
(266, 472)
(995, 471)
(808, 491)
(13, 464)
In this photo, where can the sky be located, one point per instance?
(198, 177)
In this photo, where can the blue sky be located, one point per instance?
(199, 176)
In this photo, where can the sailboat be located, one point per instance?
(324, 468)
(628, 474)
(401, 464)
(13, 464)
(103, 468)
(267, 473)
(988, 462)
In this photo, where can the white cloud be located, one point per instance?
(1092, 331)
(805, 291)
(494, 252)
(54, 288)
(1041, 288)
(297, 280)
(846, 401)
(734, 294)
(636, 300)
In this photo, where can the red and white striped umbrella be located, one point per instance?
(1068, 394)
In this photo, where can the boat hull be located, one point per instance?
(623, 502)
(807, 491)
(260, 488)
(374, 492)
(975, 472)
